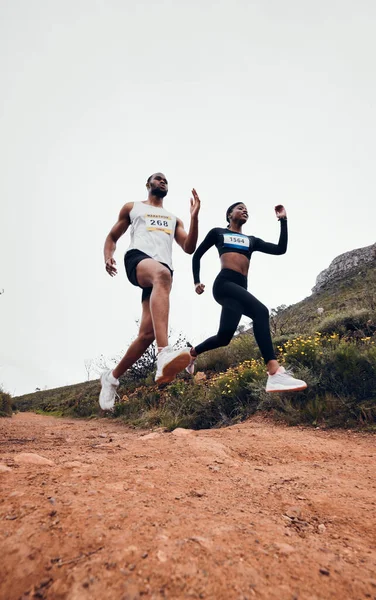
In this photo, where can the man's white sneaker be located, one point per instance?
(191, 367)
(282, 381)
(170, 362)
(108, 391)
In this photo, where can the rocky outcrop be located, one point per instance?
(343, 264)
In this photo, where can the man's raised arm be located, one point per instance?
(188, 240)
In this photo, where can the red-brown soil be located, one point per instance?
(257, 510)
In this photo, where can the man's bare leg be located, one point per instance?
(154, 325)
(170, 362)
(141, 343)
(152, 273)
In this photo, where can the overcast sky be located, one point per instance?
(260, 101)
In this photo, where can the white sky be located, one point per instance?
(259, 101)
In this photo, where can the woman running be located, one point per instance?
(230, 291)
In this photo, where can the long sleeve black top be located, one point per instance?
(230, 241)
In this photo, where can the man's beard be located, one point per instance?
(159, 192)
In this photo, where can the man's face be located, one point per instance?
(240, 213)
(158, 185)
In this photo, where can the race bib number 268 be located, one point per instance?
(158, 223)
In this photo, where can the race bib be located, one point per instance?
(159, 223)
(240, 242)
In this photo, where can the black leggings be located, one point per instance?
(230, 290)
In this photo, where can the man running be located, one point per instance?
(148, 264)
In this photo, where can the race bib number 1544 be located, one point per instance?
(158, 223)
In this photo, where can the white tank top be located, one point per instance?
(152, 231)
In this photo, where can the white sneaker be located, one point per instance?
(191, 367)
(108, 391)
(282, 381)
(170, 362)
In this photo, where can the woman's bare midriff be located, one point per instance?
(236, 262)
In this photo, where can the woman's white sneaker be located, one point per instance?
(108, 391)
(191, 367)
(282, 381)
(170, 362)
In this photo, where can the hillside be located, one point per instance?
(70, 399)
(354, 291)
(333, 349)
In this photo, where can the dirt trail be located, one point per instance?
(256, 510)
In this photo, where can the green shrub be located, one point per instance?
(361, 321)
(341, 384)
(350, 370)
(5, 404)
(242, 347)
(216, 360)
(300, 351)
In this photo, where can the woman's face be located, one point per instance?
(239, 213)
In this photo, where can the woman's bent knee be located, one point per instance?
(224, 338)
(262, 313)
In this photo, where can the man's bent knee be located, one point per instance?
(163, 278)
(150, 271)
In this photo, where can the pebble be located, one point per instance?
(200, 376)
(180, 432)
(284, 548)
(4, 469)
(161, 556)
(197, 493)
(28, 458)
(293, 512)
(151, 436)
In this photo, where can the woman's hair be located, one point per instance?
(229, 210)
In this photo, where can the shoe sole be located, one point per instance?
(179, 363)
(295, 389)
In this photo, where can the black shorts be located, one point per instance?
(131, 260)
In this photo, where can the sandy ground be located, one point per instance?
(256, 510)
